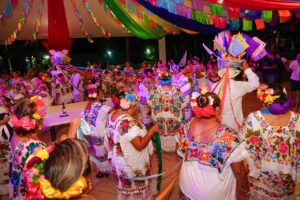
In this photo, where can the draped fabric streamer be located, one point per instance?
(58, 31)
(94, 19)
(84, 31)
(20, 25)
(181, 21)
(135, 28)
(38, 21)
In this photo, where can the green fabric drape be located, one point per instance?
(134, 27)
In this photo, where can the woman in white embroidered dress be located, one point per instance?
(273, 142)
(213, 163)
(129, 149)
(167, 103)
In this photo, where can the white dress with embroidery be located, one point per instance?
(166, 111)
(274, 160)
(206, 173)
(128, 162)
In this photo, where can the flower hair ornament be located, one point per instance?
(205, 111)
(129, 100)
(38, 186)
(266, 95)
(165, 78)
(29, 122)
(92, 91)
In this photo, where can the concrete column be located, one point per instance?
(162, 49)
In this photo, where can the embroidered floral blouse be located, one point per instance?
(274, 156)
(91, 114)
(206, 171)
(166, 109)
(215, 153)
(18, 157)
(128, 162)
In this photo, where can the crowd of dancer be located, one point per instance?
(225, 156)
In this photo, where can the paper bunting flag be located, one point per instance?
(146, 19)
(195, 15)
(197, 4)
(8, 9)
(203, 19)
(234, 24)
(122, 2)
(219, 22)
(233, 13)
(284, 15)
(216, 9)
(253, 45)
(238, 45)
(247, 25)
(131, 7)
(266, 16)
(153, 2)
(260, 24)
(209, 19)
(152, 23)
(139, 14)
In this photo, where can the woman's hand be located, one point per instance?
(140, 143)
(74, 125)
(154, 129)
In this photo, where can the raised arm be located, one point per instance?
(140, 143)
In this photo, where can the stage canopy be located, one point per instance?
(148, 19)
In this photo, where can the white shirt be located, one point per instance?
(295, 66)
(77, 87)
(234, 97)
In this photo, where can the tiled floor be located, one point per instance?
(105, 188)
